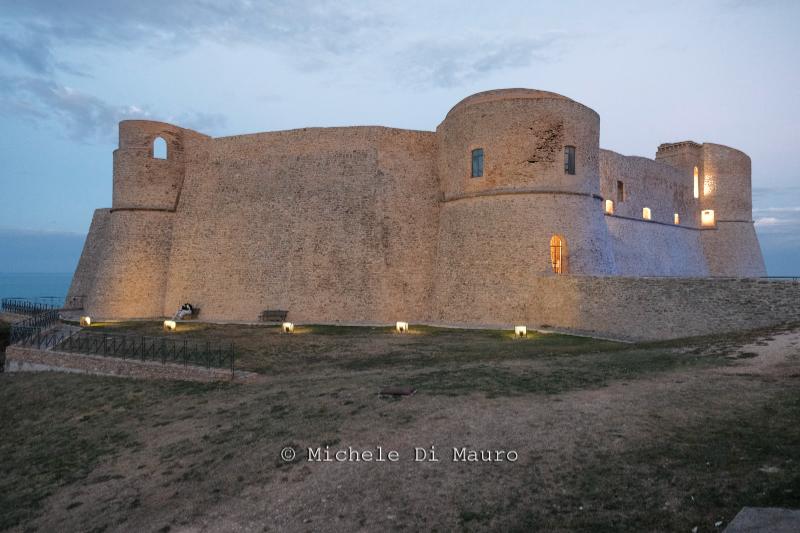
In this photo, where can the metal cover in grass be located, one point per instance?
(398, 391)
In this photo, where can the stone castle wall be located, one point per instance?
(662, 308)
(656, 247)
(331, 224)
(374, 224)
(94, 250)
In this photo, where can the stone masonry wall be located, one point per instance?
(643, 248)
(94, 249)
(131, 275)
(335, 224)
(635, 308)
(23, 359)
(374, 225)
(663, 308)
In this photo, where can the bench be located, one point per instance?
(273, 315)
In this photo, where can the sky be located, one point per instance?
(722, 71)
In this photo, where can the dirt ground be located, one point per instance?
(607, 437)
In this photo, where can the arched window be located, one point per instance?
(477, 163)
(159, 148)
(696, 182)
(569, 160)
(558, 254)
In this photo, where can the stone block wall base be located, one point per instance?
(21, 359)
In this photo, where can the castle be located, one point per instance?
(510, 212)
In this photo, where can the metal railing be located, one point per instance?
(26, 306)
(74, 302)
(159, 349)
(33, 326)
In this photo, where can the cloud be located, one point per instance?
(310, 30)
(84, 117)
(448, 63)
(32, 51)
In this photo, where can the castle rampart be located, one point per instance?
(465, 225)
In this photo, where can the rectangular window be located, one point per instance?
(677, 218)
(569, 160)
(707, 217)
(646, 213)
(620, 192)
(610, 207)
(477, 163)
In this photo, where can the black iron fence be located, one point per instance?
(33, 326)
(26, 306)
(160, 349)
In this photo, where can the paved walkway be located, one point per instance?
(765, 520)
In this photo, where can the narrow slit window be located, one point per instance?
(646, 214)
(569, 160)
(696, 182)
(557, 254)
(477, 163)
(159, 148)
(620, 192)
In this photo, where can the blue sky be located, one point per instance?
(721, 71)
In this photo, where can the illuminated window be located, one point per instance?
(557, 254)
(696, 183)
(477, 163)
(707, 217)
(620, 192)
(646, 213)
(677, 218)
(569, 160)
(159, 148)
(610, 207)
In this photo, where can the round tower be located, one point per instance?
(731, 244)
(131, 276)
(519, 172)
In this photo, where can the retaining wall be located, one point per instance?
(19, 359)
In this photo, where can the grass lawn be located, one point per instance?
(609, 436)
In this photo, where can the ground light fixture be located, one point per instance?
(170, 325)
(401, 327)
(520, 331)
(707, 217)
(86, 321)
(287, 327)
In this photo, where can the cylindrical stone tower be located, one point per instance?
(532, 209)
(131, 277)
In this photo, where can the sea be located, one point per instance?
(50, 288)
